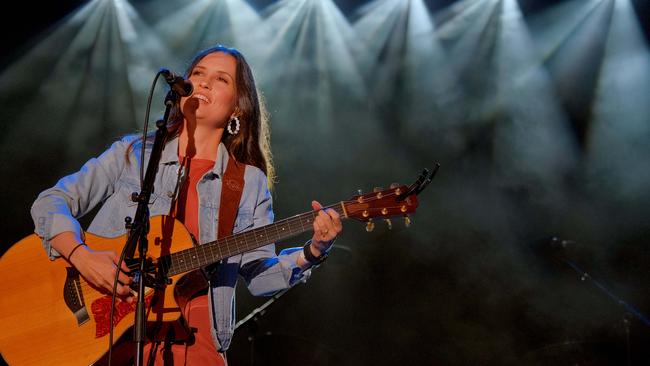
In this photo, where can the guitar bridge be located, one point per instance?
(73, 296)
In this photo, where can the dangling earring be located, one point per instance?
(233, 130)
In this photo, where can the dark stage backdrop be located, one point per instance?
(536, 110)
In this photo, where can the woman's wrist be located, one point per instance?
(72, 252)
(313, 255)
(64, 243)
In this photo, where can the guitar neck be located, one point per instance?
(203, 255)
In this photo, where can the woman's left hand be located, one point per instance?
(327, 226)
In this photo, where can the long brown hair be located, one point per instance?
(252, 145)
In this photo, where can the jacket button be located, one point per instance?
(170, 194)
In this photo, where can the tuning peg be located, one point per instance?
(370, 226)
(378, 190)
(360, 198)
(396, 187)
(389, 223)
(407, 221)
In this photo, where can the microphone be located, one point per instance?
(177, 83)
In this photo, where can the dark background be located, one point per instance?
(477, 279)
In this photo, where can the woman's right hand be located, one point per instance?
(97, 267)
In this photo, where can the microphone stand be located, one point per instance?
(584, 276)
(139, 226)
(254, 316)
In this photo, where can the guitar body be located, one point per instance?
(51, 315)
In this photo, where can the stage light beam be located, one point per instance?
(532, 143)
(618, 148)
(95, 84)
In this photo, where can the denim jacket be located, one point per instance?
(109, 179)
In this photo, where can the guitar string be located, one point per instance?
(300, 216)
(289, 221)
(188, 259)
(296, 218)
(85, 286)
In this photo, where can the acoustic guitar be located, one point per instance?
(51, 315)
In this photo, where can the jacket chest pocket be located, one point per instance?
(243, 221)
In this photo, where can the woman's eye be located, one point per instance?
(221, 78)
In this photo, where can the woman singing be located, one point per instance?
(222, 121)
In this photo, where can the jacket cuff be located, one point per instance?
(53, 225)
(291, 257)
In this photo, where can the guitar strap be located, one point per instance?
(232, 187)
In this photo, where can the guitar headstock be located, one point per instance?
(383, 204)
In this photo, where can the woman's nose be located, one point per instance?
(204, 84)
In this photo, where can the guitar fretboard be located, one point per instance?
(202, 255)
